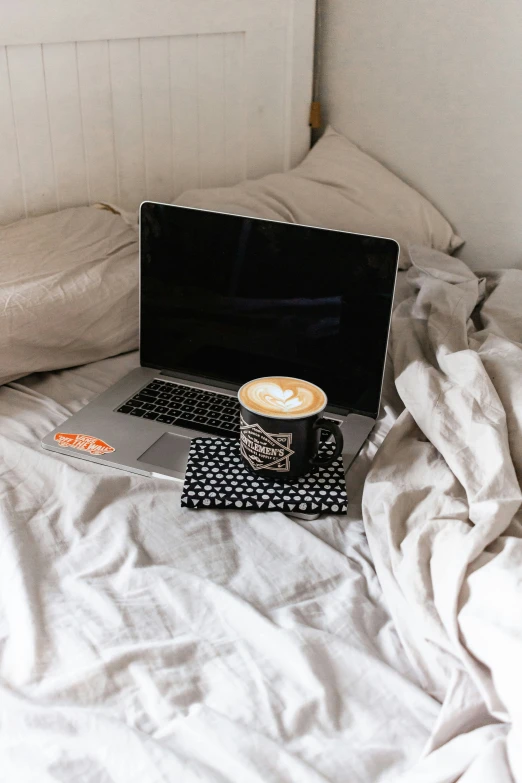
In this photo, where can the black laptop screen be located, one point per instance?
(230, 298)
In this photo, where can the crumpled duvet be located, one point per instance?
(145, 643)
(442, 514)
(141, 642)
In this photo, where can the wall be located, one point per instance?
(434, 90)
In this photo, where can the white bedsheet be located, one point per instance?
(142, 642)
(442, 512)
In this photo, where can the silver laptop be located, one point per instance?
(224, 299)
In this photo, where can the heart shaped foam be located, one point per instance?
(276, 398)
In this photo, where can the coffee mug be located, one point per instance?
(280, 426)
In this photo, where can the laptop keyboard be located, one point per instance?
(171, 403)
(185, 406)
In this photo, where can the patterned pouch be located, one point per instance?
(217, 478)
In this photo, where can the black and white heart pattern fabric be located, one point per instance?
(217, 478)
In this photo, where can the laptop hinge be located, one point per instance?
(200, 379)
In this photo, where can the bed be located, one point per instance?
(140, 641)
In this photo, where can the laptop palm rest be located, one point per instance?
(170, 451)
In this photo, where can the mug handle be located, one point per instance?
(334, 429)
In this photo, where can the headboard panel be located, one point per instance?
(121, 101)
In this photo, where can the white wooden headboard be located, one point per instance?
(124, 100)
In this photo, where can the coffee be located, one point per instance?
(281, 420)
(282, 397)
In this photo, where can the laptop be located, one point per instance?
(225, 299)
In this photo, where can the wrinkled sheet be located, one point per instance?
(442, 513)
(140, 642)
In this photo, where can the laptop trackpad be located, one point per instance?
(169, 452)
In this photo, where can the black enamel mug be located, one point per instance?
(280, 427)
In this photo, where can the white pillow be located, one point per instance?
(337, 186)
(68, 290)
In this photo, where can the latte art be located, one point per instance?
(282, 397)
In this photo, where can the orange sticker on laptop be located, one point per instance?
(89, 443)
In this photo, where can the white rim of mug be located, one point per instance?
(279, 416)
